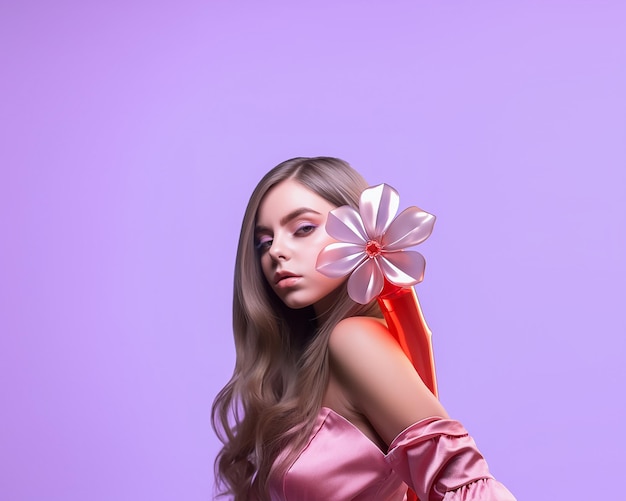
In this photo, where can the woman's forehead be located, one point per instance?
(285, 198)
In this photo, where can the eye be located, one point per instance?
(305, 229)
(263, 244)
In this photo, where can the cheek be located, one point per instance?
(322, 240)
(266, 266)
(312, 252)
(327, 284)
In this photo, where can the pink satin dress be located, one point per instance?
(435, 457)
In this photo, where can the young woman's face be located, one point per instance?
(289, 236)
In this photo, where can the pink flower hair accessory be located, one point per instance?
(372, 244)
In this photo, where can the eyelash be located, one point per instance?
(302, 231)
(310, 229)
(263, 246)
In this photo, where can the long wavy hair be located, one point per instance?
(265, 413)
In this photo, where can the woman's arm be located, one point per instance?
(378, 379)
(436, 457)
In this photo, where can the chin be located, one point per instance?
(296, 304)
(298, 299)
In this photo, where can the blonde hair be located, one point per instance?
(265, 413)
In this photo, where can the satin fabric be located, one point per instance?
(435, 456)
(440, 461)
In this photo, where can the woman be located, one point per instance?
(323, 404)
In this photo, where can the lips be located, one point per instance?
(283, 276)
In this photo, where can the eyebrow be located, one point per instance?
(289, 217)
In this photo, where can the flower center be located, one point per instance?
(372, 248)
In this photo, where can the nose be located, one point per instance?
(279, 250)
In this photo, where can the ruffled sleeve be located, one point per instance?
(439, 460)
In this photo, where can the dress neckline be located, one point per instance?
(326, 411)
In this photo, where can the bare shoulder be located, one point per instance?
(363, 345)
(362, 334)
(378, 378)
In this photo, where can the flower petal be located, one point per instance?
(378, 206)
(411, 227)
(403, 268)
(366, 282)
(344, 223)
(339, 259)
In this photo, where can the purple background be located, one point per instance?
(132, 135)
